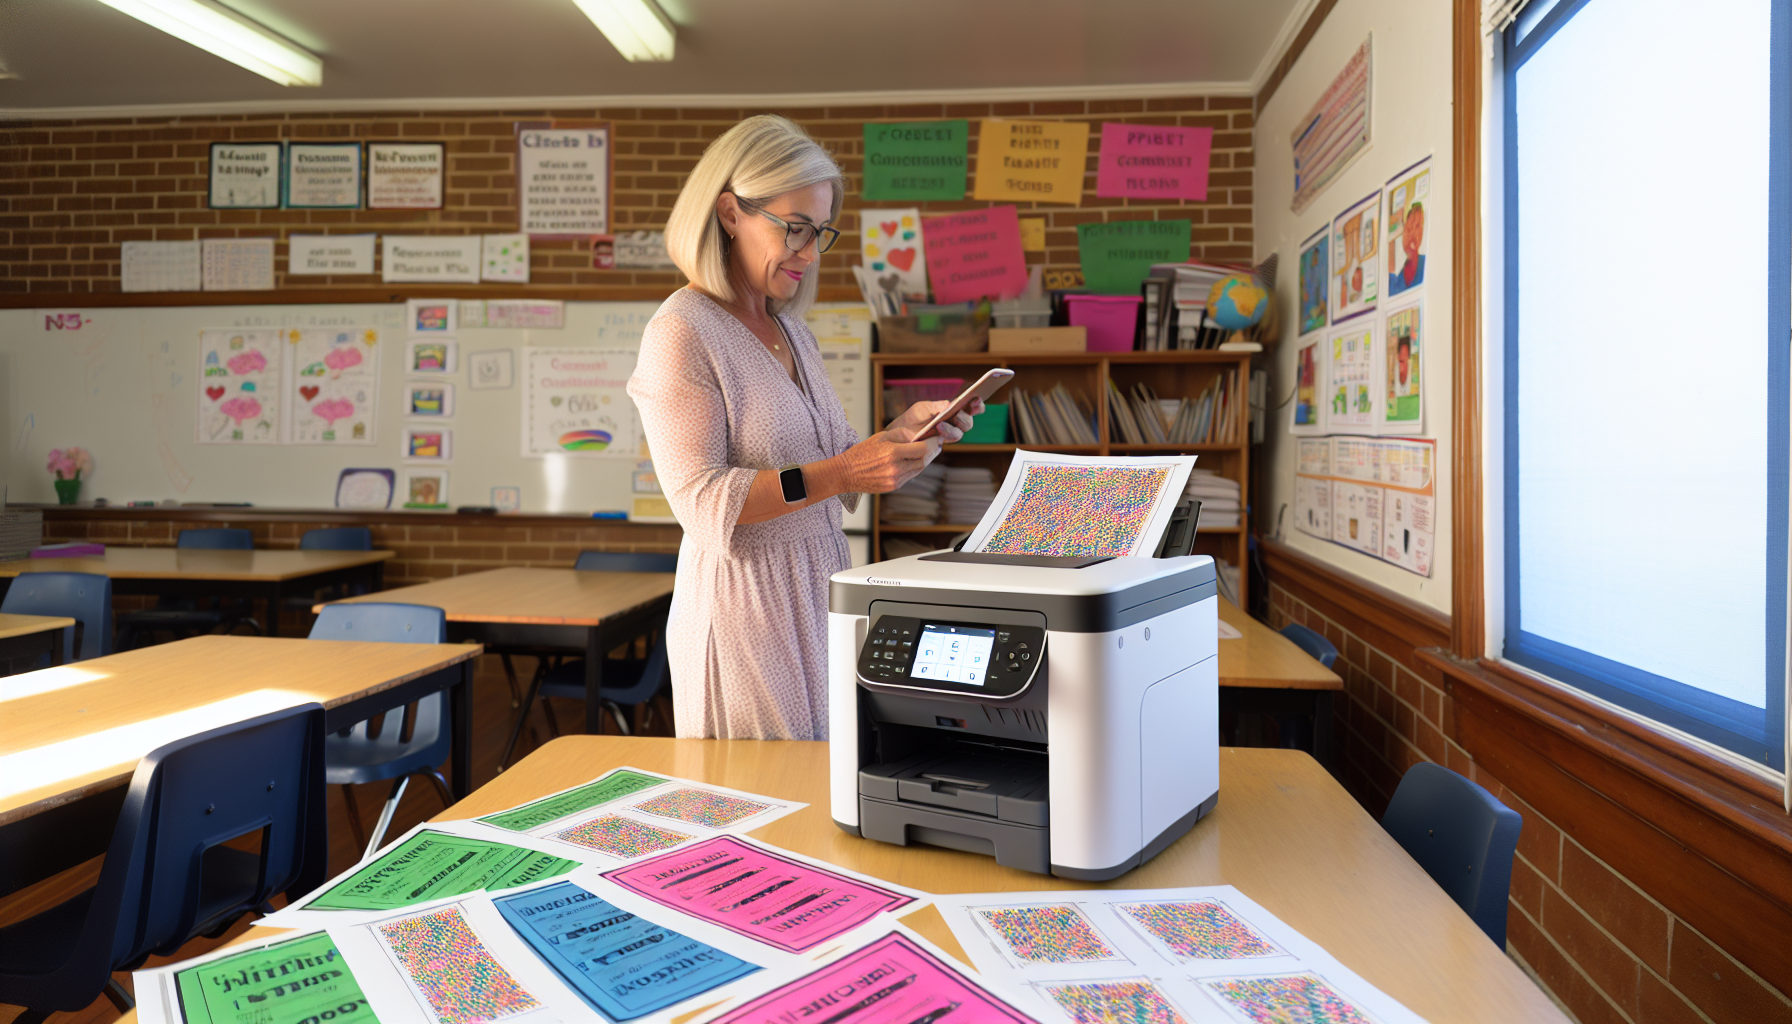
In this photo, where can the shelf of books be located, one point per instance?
(1084, 403)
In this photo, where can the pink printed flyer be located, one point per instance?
(751, 891)
(893, 980)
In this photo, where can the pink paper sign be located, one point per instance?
(975, 254)
(754, 892)
(891, 981)
(1150, 161)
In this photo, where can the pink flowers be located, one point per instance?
(333, 409)
(249, 362)
(241, 407)
(340, 359)
(69, 463)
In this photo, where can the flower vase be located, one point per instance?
(67, 490)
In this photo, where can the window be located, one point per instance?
(1648, 305)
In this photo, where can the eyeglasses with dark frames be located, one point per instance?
(797, 235)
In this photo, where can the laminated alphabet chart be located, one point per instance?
(1373, 495)
(1158, 956)
(334, 385)
(240, 374)
(1073, 505)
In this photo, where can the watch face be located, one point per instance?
(792, 479)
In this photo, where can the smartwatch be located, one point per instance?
(791, 477)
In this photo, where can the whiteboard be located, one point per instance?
(125, 385)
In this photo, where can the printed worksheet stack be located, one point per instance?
(968, 492)
(1165, 956)
(917, 501)
(1219, 498)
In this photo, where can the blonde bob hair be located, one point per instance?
(758, 160)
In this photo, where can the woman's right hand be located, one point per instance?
(883, 462)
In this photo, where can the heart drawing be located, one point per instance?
(889, 227)
(902, 259)
(309, 391)
(555, 401)
(889, 284)
(214, 393)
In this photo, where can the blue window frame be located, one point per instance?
(1702, 684)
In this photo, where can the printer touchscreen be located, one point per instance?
(991, 660)
(957, 654)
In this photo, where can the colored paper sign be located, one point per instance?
(432, 865)
(1032, 161)
(575, 402)
(1315, 277)
(623, 966)
(751, 891)
(893, 980)
(915, 160)
(307, 977)
(1407, 192)
(1116, 257)
(976, 254)
(1354, 241)
(1149, 161)
(334, 385)
(1334, 132)
(239, 387)
(893, 249)
(537, 813)
(1032, 234)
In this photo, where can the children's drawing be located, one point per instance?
(334, 385)
(1350, 376)
(1355, 242)
(893, 250)
(1285, 999)
(428, 444)
(432, 400)
(1308, 416)
(432, 316)
(1056, 933)
(1408, 192)
(430, 355)
(1194, 930)
(1404, 339)
(1314, 279)
(426, 488)
(239, 387)
(450, 970)
(1121, 1001)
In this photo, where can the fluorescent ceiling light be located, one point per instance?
(217, 29)
(637, 28)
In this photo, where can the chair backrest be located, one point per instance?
(1313, 642)
(85, 597)
(382, 622)
(217, 539)
(626, 561)
(194, 794)
(1462, 836)
(337, 538)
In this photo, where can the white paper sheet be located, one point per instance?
(159, 266)
(238, 264)
(1082, 504)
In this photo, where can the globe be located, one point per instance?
(1237, 302)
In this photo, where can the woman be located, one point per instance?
(749, 440)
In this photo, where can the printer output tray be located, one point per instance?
(989, 803)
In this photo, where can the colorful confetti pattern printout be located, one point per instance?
(1078, 511)
(1124, 1001)
(450, 968)
(893, 980)
(621, 837)
(303, 977)
(1055, 934)
(622, 965)
(751, 891)
(1287, 999)
(702, 807)
(613, 786)
(1197, 930)
(431, 865)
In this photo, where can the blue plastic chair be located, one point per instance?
(186, 616)
(167, 875)
(337, 538)
(363, 754)
(221, 538)
(82, 596)
(1313, 642)
(1462, 836)
(626, 561)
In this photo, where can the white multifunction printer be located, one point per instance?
(1061, 714)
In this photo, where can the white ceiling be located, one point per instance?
(71, 56)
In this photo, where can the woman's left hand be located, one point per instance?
(920, 414)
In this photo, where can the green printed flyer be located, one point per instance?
(1116, 257)
(431, 865)
(611, 787)
(298, 980)
(917, 160)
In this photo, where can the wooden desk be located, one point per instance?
(1264, 672)
(523, 610)
(71, 737)
(25, 636)
(267, 576)
(1284, 833)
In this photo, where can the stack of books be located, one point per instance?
(1143, 418)
(1176, 306)
(1054, 417)
(916, 502)
(968, 493)
(21, 530)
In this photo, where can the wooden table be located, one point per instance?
(24, 636)
(268, 576)
(529, 610)
(1285, 833)
(1264, 672)
(71, 737)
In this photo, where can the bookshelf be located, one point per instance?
(1171, 374)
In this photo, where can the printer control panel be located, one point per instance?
(991, 660)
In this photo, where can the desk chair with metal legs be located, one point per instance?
(184, 616)
(83, 596)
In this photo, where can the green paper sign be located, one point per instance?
(1117, 257)
(540, 812)
(916, 160)
(297, 980)
(432, 865)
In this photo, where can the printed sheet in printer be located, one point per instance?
(1081, 505)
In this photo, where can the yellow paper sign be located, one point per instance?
(1032, 234)
(1040, 161)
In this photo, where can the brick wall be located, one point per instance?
(70, 192)
(1606, 951)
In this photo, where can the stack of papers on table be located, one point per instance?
(1221, 501)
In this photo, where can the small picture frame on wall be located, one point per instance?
(507, 499)
(432, 400)
(323, 175)
(245, 176)
(428, 444)
(405, 175)
(492, 369)
(426, 488)
(431, 355)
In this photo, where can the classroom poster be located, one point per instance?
(976, 254)
(1407, 192)
(237, 264)
(563, 180)
(1315, 280)
(323, 175)
(1310, 361)
(334, 388)
(1354, 241)
(1116, 257)
(1356, 516)
(1351, 378)
(916, 160)
(504, 258)
(575, 402)
(405, 175)
(1373, 495)
(1404, 340)
(329, 254)
(416, 258)
(239, 387)
(245, 176)
(1335, 131)
(1147, 161)
(1031, 161)
(893, 248)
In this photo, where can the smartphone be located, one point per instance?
(986, 385)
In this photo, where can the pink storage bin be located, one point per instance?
(1112, 320)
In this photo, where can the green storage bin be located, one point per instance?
(989, 427)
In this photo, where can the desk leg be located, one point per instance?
(378, 577)
(57, 638)
(1325, 742)
(276, 600)
(460, 729)
(594, 680)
